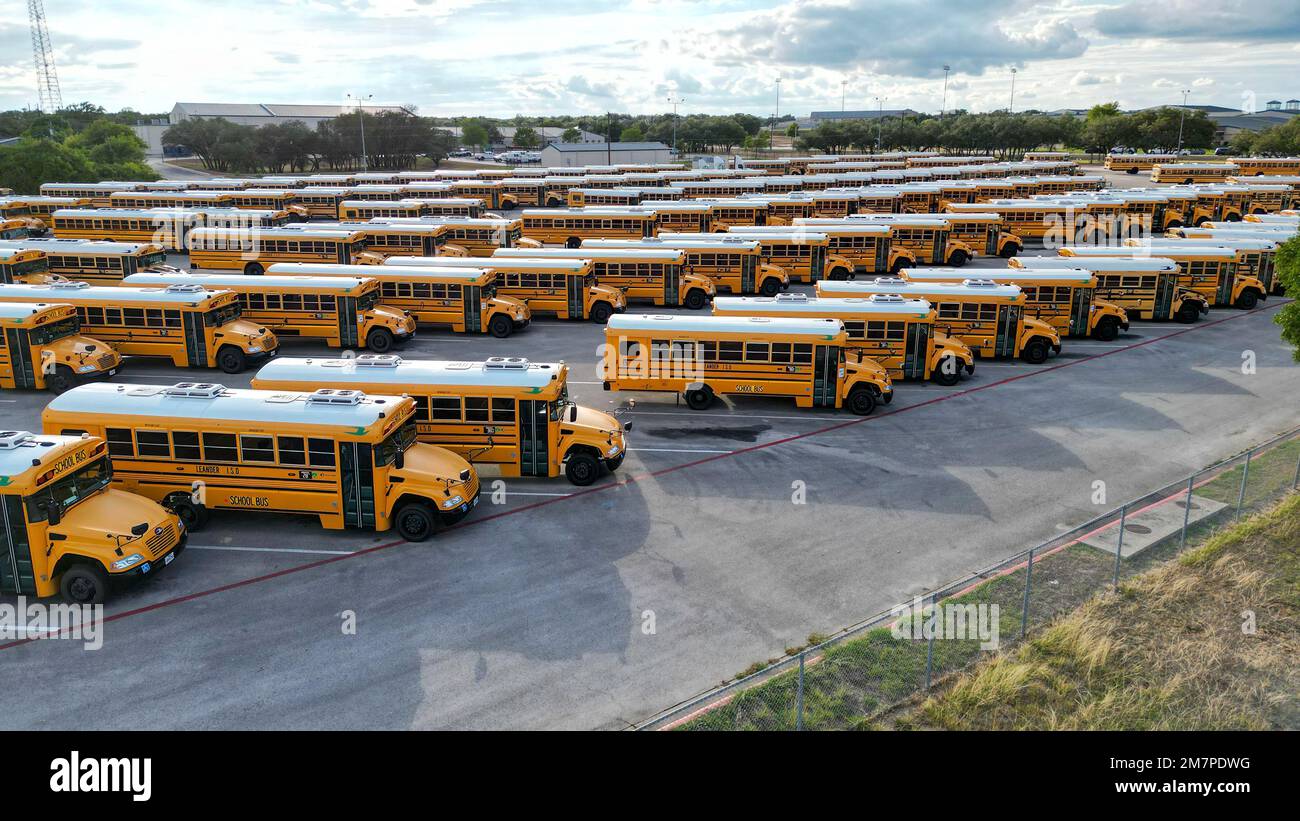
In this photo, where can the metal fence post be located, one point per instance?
(1241, 495)
(1119, 546)
(929, 650)
(1024, 607)
(1187, 511)
(798, 701)
(1295, 481)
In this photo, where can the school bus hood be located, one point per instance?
(604, 424)
(432, 468)
(84, 523)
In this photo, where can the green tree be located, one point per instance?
(526, 137)
(23, 167)
(472, 133)
(1287, 266)
(571, 135)
(632, 134)
(792, 130)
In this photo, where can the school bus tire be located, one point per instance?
(1130, 170)
(958, 258)
(500, 326)
(254, 269)
(700, 398)
(862, 401)
(1107, 329)
(695, 299)
(1188, 313)
(945, 376)
(1009, 250)
(1233, 217)
(61, 379)
(573, 242)
(770, 287)
(84, 583)
(1249, 299)
(231, 360)
(416, 521)
(601, 312)
(582, 468)
(839, 274)
(898, 266)
(1035, 352)
(193, 516)
(380, 340)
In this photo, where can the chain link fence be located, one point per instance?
(850, 680)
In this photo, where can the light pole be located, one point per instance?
(1182, 115)
(880, 120)
(1011, 109)
(361, 117)
(943, 107)
(844, 84)
(674, 102)
(771, 132)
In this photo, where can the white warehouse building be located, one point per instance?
(558, 155)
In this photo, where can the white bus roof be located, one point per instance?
(279, 233)
(210, 401)
(22, 310)
(792, 233)
(394, 370)
(666, 254)
(329, 269)
(400, 203)
(55, 245)
(819, 328)
(723, 242)
(20, 448)
(1156, 264)
(490, 263)
(892, 285)
(1164, 249)
(1077, 274)
(794, 303)
(1243, 243)
(241, 280)
(596, 211)
(74, 291)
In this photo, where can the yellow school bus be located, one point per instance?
(93, 261)
(570, 226)
(322, 202)
(63, 529)
(984, 233)
(97, 192)
(1267, 166)
(656, 275)
(601, 197)
(366, 210)
(803, 254)
(565, 287)
(867, 247)
(1064, 299)
(269, 199)
(491, 192)
(344, 311)
(467, 236)
(34, 212)
(41, 347)
(167, 228)
(508, 416)
(989, 318)
(731, 262)
(929, 239)
(1255, 257)
(1133, 163)
(195, 200)
(738, 213)
(896, 332)
(1212, 272)
(384, 240)
(233, 249)
(463, 298)
(193, 326)
(701, 357)
(1193, 172)
(350, 459)
(1145, 288)
(20, 264)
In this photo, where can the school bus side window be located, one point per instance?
(320, 453)
(120, 442)
(220, 447)
(255, 448)
(185, 443)
(153, 443)
(446, 408)
(292, 450)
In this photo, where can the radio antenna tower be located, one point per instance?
(47, 79)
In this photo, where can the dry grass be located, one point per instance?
(1167, 651)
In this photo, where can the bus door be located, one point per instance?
(16, 574)
(648, 228)
(18, 341)
(1004, 341)
(357, 484)
(917, 349)
(826, 363)
(672, 281)
(471, 302)
(1226, 279)
(429, 245)
(196, 342)
(882, 255)
(748, 273)
(341, 254)
(349, 324)
(1080, 307)
(1164, 296)
(991, 240)
(575, 289)
(937, 256)
(817, 266)
(534, 437)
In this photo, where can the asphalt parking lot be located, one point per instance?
(554, 607)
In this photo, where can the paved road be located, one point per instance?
(534, 613)
(171, 171)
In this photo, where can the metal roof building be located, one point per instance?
(573, 154)
(259, 114)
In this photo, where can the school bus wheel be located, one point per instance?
(84, 583)
(899, 265)
(958, 258)
(192, 515)
(1107, 329)
(1248, 299)
(500, 326)
(416, 521)
(1189, 313)
(231, 360)
(1009, 250)
(573, 242)
(840, 273)
(862, 401)
(601, 312)
(1130, 171)
(582, 468)
(380, 340)
(1035, 353)
(948, 373)
(254, 269)
(699, 398)
(696, 299)
(60, 379)
(770, 287)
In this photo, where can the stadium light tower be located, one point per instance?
(943, 107)
(1182, 116)
(675, 101)
(880, 120)
(361, 117)
(1011, 109)
(47, 79)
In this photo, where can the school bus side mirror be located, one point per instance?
(573, 413)
(53, 513)
(400, 461)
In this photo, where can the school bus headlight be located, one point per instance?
(85, 369)
(123, 564)
(612, 452)
(254, 348)
(453, 501)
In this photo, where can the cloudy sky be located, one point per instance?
(506, 57)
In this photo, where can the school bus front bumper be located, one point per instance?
(151, 561)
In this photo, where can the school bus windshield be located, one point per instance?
(397, 441)
(366, 302)
(150, 260)
(55, 330)
(561, 405)
(217, 317)
(66, 492)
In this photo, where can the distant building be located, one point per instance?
(866, 114)
(571, 154)
(260, 114)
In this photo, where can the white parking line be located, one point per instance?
(741, 416)
(674, 450)
(267, 549)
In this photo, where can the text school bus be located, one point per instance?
(570, 226)
(1064, 299)
(193, 326)
(350, 459)
(656, 275)
(896, 332)
(465, 299)
(1145, 288)
(867, 248)
(63, 529)
(469, 236)
(702, 357)
(233, 249)
(733, 263)
(41, 347)
(345, 312)
(92, 261)
(803, 255)
(989, 318)
(23, 264)
(508, 416)
(1212, 272)
(564, 287)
